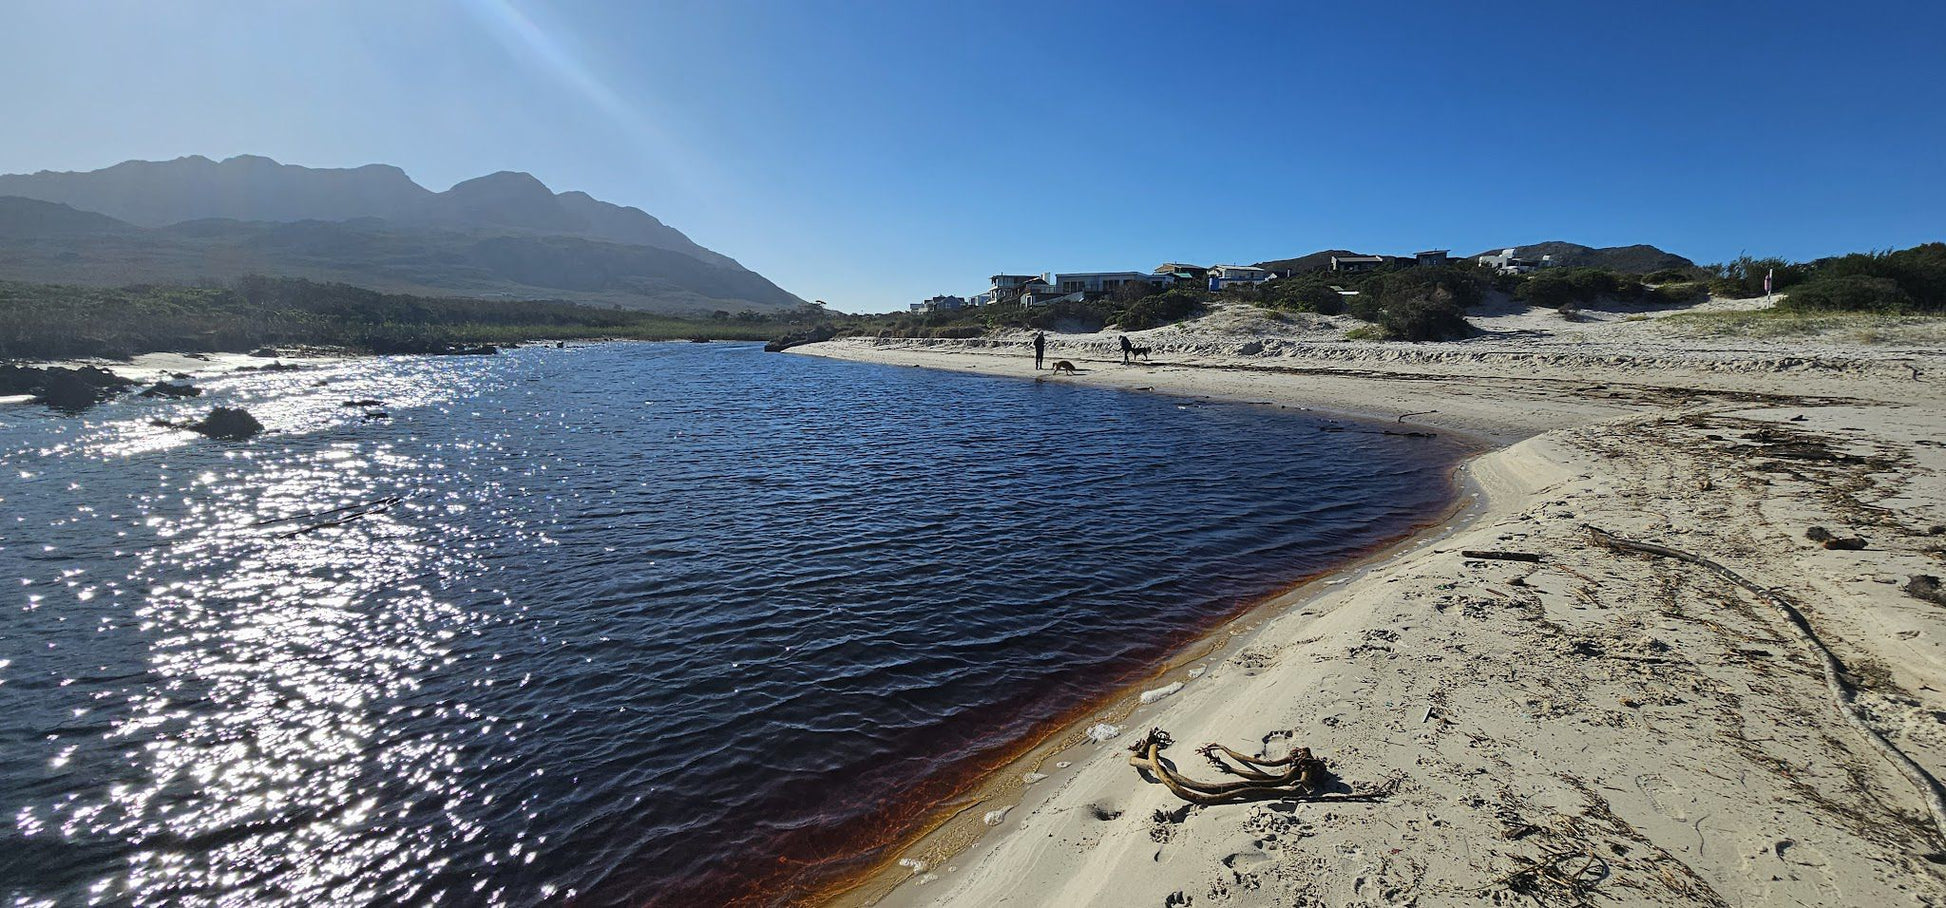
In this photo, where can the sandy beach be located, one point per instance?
(1596, 726)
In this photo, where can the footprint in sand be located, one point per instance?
(1668, 798)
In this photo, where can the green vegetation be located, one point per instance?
(1744, 277)
(1404, 302)
(1134, 308)
(1908, 280)
(1780, 323)
(43, 321)
(1567, 288)
(1421, 304)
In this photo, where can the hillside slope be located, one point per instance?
(505, 234)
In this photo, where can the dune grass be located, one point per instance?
(1784, 324)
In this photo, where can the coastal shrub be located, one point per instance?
(1681, 294)
(1305, 293)
(1744, 277)
(1919, 271)
(44, 321)
(1071, 316)
(1418, 314)
(1560, 288)
(1164, 308)
(1848, 293)
(1676, 276)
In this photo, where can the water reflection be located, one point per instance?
(637, 624)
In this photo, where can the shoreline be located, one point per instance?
(1535, 482)
(950, 832)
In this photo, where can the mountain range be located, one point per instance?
(1639, 259)
(502, 235)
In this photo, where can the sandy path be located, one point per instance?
(1641, 725)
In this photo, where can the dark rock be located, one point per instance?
(363, 402)
(228, 424)
(1927, 587)
(72, 390)
(820, 333)
(173, 389)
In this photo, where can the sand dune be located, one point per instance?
(1595, 726)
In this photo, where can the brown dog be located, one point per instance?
(1062, 365)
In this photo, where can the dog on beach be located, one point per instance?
(1062, 365)
(1140, 352)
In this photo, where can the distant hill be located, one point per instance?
(1316, 261)
(505, 234)
(1640, 259)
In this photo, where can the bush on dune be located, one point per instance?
(1919, 272)
(1564, 288)
(1744, 277)
(1164, 308)
(1848, 293)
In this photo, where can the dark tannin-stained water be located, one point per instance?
(651, 624)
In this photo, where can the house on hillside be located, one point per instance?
(1009, 288)
(940, 304)
(1356, 263)
(1221, 276)
(1431, 257)
(1171, 273)
(1506, 262)
(1099, 283)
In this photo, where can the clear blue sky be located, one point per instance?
(875, 153)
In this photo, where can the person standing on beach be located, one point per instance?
(1127, 348)
(1040, 349)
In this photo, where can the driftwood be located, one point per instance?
(1298, 775)
(1500, 556)
(1834, 672)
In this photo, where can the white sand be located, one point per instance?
(1640, 723)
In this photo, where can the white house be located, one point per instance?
(940, 304)
(1221, 276)
(1506, 262)
(1006, 288)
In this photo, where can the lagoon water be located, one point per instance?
(647, 624)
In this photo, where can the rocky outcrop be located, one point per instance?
(71, 390)
(820, 333)
(173, 389)
(227, 424)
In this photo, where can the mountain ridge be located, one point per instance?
(186, 218)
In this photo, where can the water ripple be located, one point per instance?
(633, 624)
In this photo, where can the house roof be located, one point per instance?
(1358, 258)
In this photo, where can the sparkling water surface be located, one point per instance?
(647, 624)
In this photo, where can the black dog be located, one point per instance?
(1142, 352)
